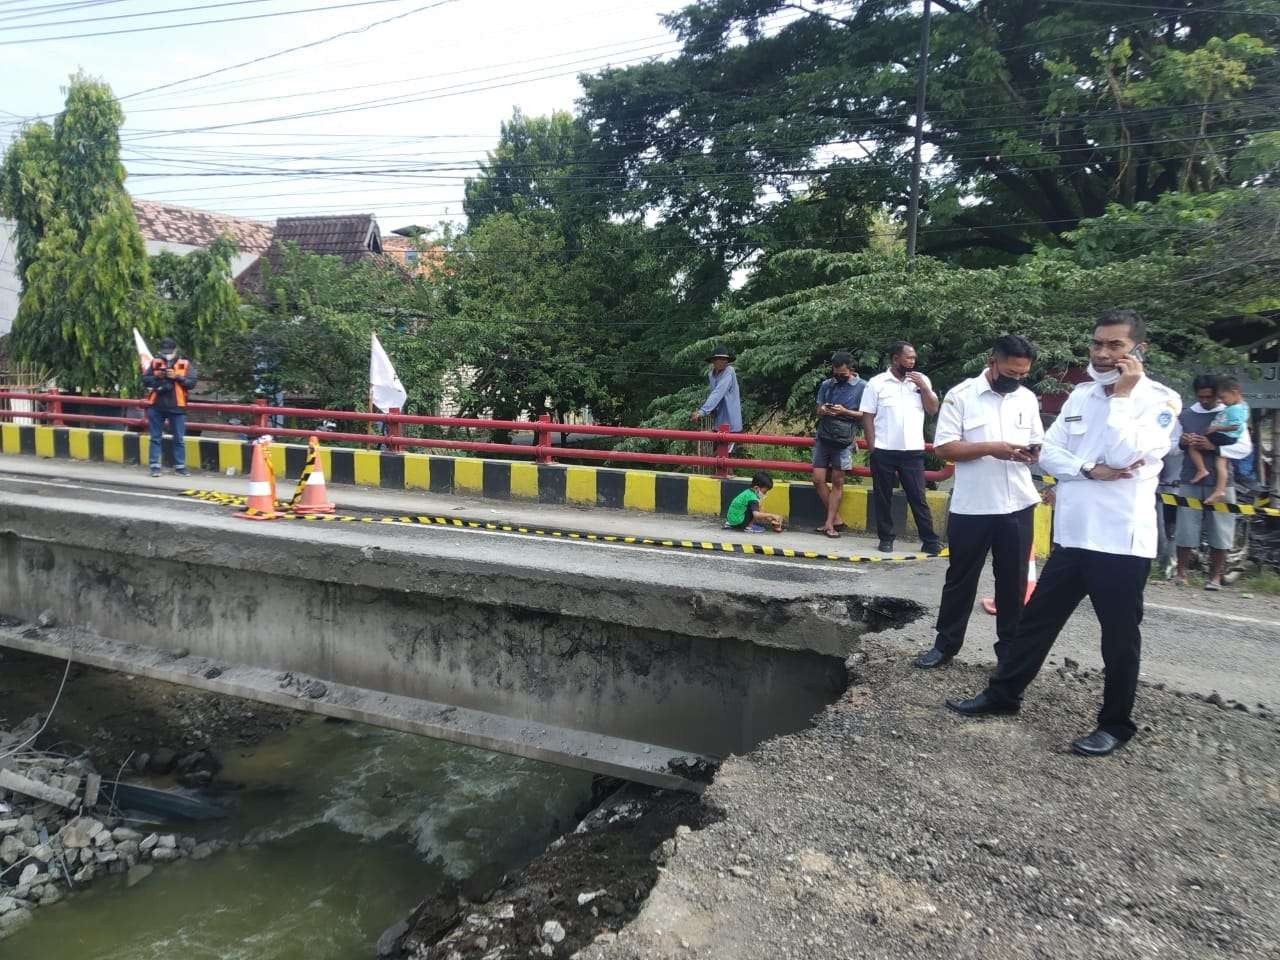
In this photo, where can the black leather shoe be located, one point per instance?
(933, 657)
(932, 549)
(886, 546)
(983, 705)
(1097, 744)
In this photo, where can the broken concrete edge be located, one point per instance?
(376, 557)
(651, 764)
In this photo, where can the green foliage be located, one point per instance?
(551, 304)
(82, 261)
(1166, 260)
(1039, 114)
(548, 327)
(312, 338)
(199, 306)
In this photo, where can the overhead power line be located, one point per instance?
(200, 23)
(280, 53)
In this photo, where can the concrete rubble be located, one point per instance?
(59, 833)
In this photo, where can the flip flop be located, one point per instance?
(831, 534)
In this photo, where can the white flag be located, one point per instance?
(144, 352)
(385, 389)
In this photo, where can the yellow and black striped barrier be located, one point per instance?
(1257, 509)
(497, 526)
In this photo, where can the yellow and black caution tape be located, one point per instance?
(1257, 509)
(1246, 509)
(497, 526)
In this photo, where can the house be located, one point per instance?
(181, 230)
(418, 258)
(352, 238)
(164, 226)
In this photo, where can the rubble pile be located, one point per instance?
(59, 831)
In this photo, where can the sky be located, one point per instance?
(392, 103)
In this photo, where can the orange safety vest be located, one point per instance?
(180, 367)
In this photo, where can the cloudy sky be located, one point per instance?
(406, 106)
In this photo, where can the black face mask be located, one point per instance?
(1001, 383)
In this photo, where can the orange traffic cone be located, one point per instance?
(314, 499)
(989, 603)
(261, 504)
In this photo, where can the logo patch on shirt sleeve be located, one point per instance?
(1165, 419)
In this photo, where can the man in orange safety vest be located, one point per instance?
(168, 381)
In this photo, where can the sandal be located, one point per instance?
(831, 534)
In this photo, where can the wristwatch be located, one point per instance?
(1088, 469)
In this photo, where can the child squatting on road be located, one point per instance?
(744, 511)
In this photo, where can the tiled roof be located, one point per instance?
(166, 223)
(350, 237)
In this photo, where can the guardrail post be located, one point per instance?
(259, 419)
(55, 407)
(542, 436)
(722, 449)
(393, 430)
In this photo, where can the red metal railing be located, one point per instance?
(542, 450)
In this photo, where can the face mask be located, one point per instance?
(170, 356)
(900, 371)
(1001, 383)
(1107, 378)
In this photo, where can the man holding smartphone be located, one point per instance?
(990, 428)
(1105, 449)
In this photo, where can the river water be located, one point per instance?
(344, 828)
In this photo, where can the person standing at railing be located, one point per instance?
(168, 381)
(724, 403)
(894, 407)
(838, 416)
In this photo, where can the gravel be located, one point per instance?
(893, 829)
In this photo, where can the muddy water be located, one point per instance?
(343, 828)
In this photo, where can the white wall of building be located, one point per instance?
(10, 285)
(239, 263)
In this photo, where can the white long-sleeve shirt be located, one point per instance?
(1109, 516)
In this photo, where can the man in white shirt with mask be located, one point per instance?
(1105, 450)
(989, 426)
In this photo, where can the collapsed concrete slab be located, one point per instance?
(574, 653)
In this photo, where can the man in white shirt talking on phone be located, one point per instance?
(1105, 451)
(990, 428)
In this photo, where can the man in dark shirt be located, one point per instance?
(838, 400)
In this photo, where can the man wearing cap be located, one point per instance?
(723, 404)
(168, 380)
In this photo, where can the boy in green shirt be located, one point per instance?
(745, 513)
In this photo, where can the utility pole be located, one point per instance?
(922, 75)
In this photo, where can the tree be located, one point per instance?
(310, 336)
(551, 328)
(1040, 114)
(199, 305)
(81, 258)
(1193, 266)
(551, 302)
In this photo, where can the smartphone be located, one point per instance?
(1138, 355)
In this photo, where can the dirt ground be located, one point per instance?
(894, 829)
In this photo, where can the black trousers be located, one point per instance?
(1114, 585)
(970, 537)
(907, 468)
